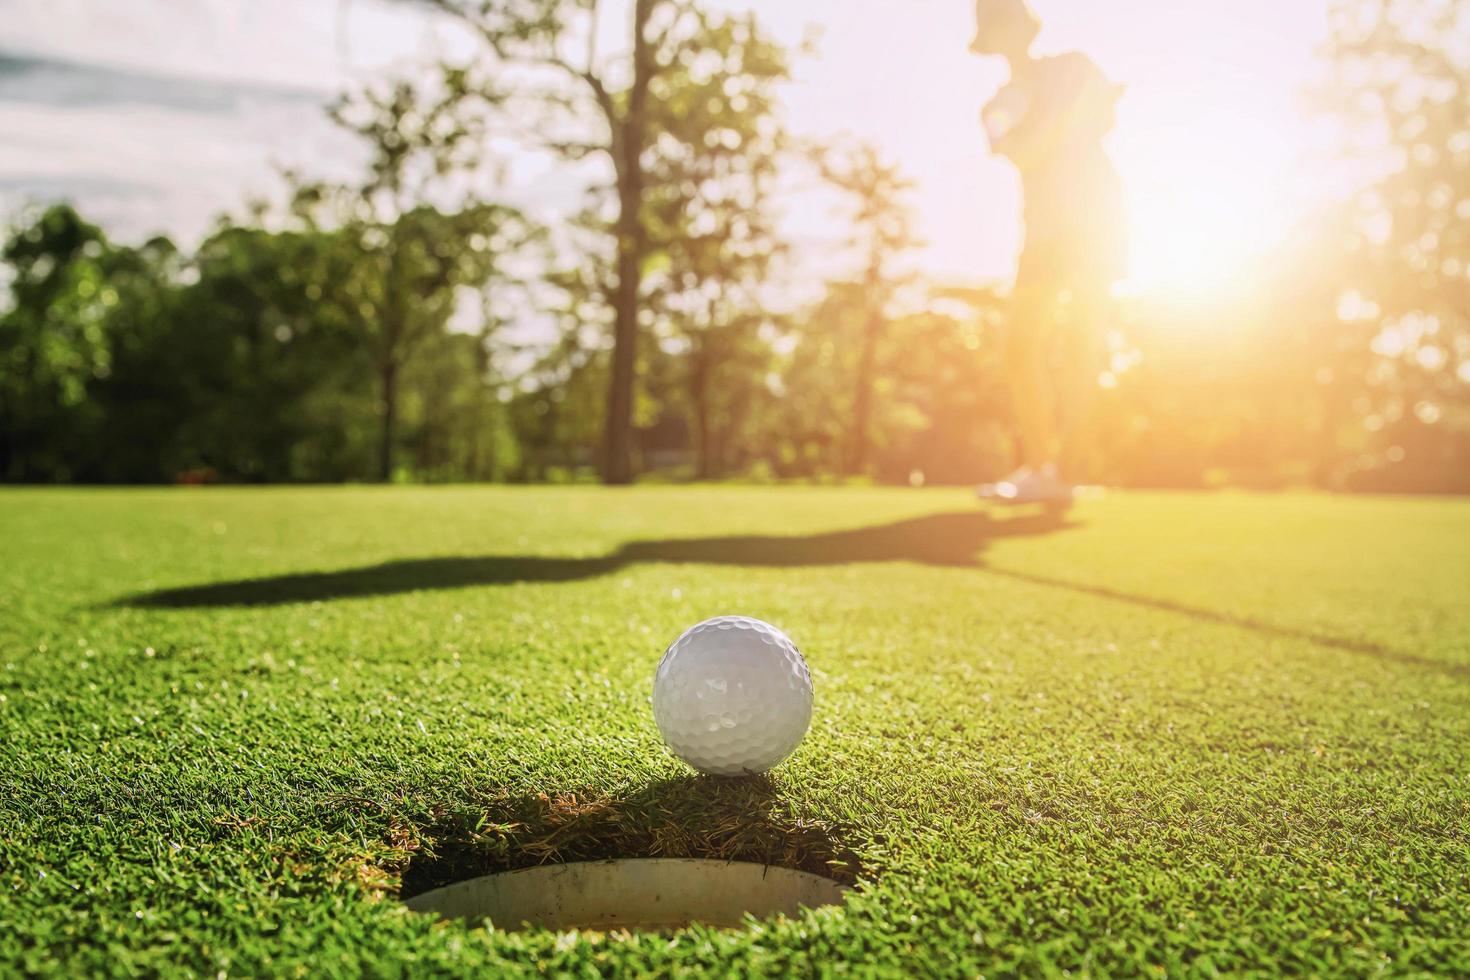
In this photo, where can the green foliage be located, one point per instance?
(721, 145)
(259, 358)
(54, 344)
(411, 262)
(278, 371)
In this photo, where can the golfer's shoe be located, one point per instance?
(1027, 486)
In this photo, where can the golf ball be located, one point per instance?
(732, 696)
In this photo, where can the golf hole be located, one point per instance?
(651, 894)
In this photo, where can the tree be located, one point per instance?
(710, 208)
(881, 221)
(944, 416)
(275, 383)
(412, 259)
(568, 84)
(52, 340)
(1402, 88)
(80, 309)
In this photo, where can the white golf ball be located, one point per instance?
(732, 696)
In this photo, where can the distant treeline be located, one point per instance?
(368, 330)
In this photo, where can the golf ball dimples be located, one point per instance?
(732, 696)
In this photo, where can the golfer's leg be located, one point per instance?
(1077, 380)
(1026, 364)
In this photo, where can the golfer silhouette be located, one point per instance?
(1049, 121)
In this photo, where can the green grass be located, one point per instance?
(1175, 734)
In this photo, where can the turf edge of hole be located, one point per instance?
(627, 894)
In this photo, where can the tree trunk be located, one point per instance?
(389, 379)
(472, 451)
(617, 467)
(632, 131)
(862, 405)
(481, 406)
(392, 350)
(707, 468)
(699, 370)
(8, 423)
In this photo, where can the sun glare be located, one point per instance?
(1200, 213)
(1212, 131)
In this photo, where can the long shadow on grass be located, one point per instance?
(946, 540)
(938, 539)
(1360, 647)
(687, 817)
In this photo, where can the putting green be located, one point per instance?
(1165, 733)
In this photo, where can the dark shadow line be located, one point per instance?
(1359, 647)
(943, 540)
(952, 540)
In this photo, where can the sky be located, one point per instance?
(156, 115)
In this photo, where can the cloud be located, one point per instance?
(48, 185)
(156, 115)
(59, 82)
